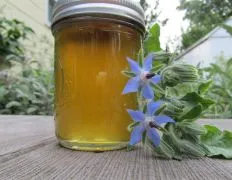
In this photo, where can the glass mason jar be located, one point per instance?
(92, 40)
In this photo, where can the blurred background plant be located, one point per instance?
(221, 88)
(12, 32)
(26, 77)
(220, 73)
(30, 93)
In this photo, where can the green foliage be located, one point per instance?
(194, 98)
(204, 87)
(183, 137)
(152, 43)
(191, 128)
(203, 16)
(218, 143)
(26, 86)
(185, 98)
(183, 143)
(128, 73)
(220, 88)
(164, 150)
(193, 113)
(12, 32)
(30, 93)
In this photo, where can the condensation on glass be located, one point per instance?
(91, 46)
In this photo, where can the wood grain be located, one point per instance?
(32, 152)
(18, 132)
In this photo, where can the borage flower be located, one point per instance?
(143, 78)
(148, 123)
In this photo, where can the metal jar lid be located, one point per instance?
(128, 9)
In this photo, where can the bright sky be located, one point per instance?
(171, 32)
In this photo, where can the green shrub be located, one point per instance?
(221, 88)
(26, 76)
(12, 33)
(31, 93)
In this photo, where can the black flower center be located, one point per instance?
(150, 75)
(153, 125)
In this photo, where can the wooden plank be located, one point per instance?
(49, 161)
(18, 132)
(32, 153)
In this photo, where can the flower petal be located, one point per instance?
(152, 107)
(147, 64)
(136, 135)
(163, 119)
(153, 136)
(156, 79)
(137, 116)
(134, 66)
(147, 91)
(132, 85)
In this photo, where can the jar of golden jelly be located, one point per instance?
(93, 38)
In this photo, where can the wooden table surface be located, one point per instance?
(29, 150)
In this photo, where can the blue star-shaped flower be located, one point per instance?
(148, 122)
(143, 78)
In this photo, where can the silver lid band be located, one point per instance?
(124, 8)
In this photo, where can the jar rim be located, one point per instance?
(130, 10)
(56, 27)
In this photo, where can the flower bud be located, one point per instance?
(179, 73)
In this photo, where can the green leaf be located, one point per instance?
(163, 150)
(192, 128)
(167, 149)
(193, 149)
(161, 55)
(191, 138)
(172, 110)
(168, 139)
(185, 146)
(128, 74)
(157, 68)
(3, 92)
(152, 43)
(144, 137)
(157, 88)
(217, 142)
(32, 110)
(194, 98)
(141, 57)
(204, 87)
(162, 107)
(177, 103)
(13, 104)
(193, 113)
